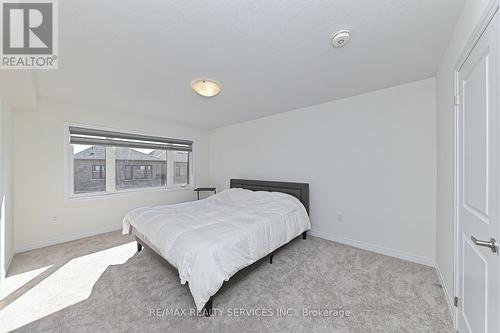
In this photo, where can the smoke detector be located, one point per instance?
(341, 38)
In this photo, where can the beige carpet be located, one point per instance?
(100, 284)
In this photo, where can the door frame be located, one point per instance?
(491, 10)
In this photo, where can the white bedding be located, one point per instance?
(210, 240)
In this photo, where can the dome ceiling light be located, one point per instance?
(206, 87)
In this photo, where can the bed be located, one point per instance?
(210, 240)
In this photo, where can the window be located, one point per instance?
(98, 171)
(110, 162)
(181, 166)
(137, 171)
(140, 168)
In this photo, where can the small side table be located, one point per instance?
(205, 189)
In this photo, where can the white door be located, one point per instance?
(479, 186)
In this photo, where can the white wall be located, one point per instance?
(471, 13)
(39, 179)
(370, 157)
(6, 216)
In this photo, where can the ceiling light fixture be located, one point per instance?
(206, 87)
(341, 38)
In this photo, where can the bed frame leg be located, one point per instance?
(304, 235)
(139, 247)
(271, 259)
(208, 308)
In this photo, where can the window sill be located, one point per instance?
(126, 193)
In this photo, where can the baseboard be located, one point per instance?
(447, 295)
(65, 238)
(4, 270)
(376, 248)
(8, 260)
(339, 239)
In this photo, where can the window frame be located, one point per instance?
(110, 171)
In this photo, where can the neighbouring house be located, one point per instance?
(134, 169)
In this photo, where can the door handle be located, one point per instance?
(492, 243)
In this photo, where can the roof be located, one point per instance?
(178, 156)
(122, 153)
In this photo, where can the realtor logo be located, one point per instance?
(29, 34)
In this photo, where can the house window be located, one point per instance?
(111, 162)
(130, 173)
(98, 171)
(137, 172)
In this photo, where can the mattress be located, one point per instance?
(209, 240)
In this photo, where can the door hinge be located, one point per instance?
(455, 301)
(457, 99)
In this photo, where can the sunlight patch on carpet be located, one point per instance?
(68, 285)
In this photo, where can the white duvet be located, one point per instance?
(210, 240)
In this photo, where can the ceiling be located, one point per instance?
(139, 57)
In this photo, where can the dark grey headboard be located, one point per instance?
(298, 190)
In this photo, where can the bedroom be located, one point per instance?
(326, 135)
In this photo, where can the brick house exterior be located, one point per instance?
(134, 169)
